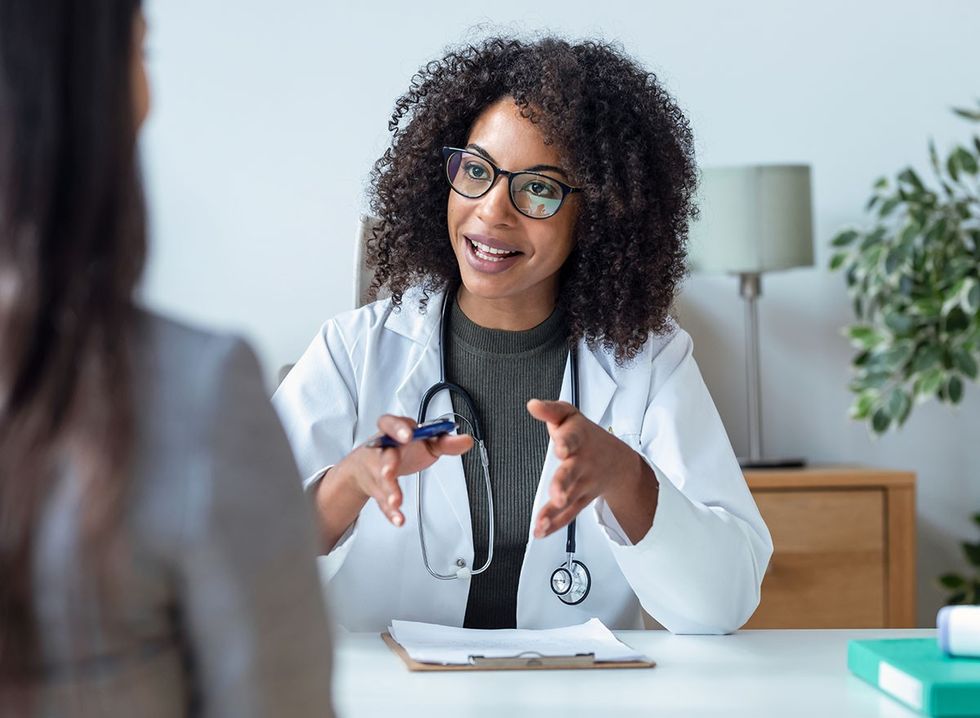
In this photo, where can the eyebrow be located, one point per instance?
(535, 168)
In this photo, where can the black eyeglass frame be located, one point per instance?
(566, 189)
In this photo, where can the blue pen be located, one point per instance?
(427, 430)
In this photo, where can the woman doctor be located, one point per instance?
(533, 215)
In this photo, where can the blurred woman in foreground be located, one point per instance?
(141, 573)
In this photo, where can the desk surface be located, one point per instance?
(751, 673)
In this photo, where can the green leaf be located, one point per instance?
(899, 404)
(880, 421)
(973, 298)
(952, 166)
(898, 355)
(870, 380)
(934, 156)
(965, 363)
(957, 320)
(863, 336)
(871, 258)
(903, 417)
(926, 307)
(899, 323)
(837, 261)
(966, 161)
(930, 382)
(909, 176)
(862, 406)
(858, 307)
(954, 389)
(927, 357)
(952, 581)
(888, 206)
(937, 231)
(972, 553)
(967, 114)
(909, 233)
(844, 238)
(872, 238)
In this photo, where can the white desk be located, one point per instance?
(755, 674)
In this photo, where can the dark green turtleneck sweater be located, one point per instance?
(502, 370)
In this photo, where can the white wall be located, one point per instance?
(268, 116)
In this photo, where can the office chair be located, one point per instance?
(363, 275)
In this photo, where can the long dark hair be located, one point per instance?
(72, 249)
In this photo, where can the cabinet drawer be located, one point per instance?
(828, 564)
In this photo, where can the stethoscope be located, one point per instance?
(571, 581)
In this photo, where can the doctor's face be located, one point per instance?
(502, 253)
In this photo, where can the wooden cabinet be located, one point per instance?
(844, 553)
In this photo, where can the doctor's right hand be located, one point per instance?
(367, 473)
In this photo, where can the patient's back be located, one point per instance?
(214, 607)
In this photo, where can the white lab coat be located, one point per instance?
(697, 570)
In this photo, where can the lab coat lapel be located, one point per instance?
(424, 371)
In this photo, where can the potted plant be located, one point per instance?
(914, 278)
(913, 275)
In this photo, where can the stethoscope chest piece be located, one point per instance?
(571, 582)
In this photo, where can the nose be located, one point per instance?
(495, 207)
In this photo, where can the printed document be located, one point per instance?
(447, 645)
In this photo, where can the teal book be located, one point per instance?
(914, 671)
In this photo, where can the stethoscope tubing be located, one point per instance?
(477, 431)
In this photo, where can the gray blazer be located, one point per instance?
(215, 606)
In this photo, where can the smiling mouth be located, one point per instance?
(490, 254)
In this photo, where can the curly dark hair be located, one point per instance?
(619, 133)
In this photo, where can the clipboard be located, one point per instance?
(529, 661)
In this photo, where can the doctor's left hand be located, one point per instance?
(594, 463)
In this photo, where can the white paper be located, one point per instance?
(447, 645)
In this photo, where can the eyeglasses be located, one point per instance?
(534, 195)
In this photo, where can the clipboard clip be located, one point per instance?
(533, 659)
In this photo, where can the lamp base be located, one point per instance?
(791, 463)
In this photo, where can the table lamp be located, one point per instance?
(754, 219)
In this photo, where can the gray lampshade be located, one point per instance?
(755, 218)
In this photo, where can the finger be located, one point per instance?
(552, 412)
(551, 518)
(389, 462)
(386, 479)
(399, 428)
(449, 445)
(381, 493)
(567, 439)
(395, 516)
(563, 482)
